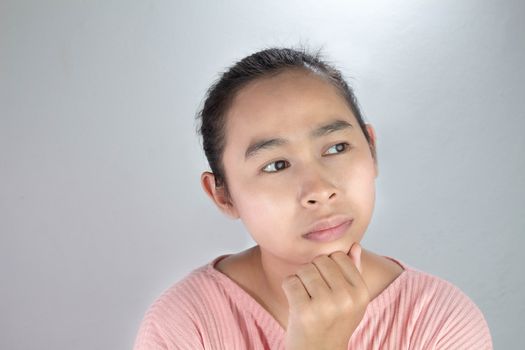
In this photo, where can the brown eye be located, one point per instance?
(340, 147)
(275, 166)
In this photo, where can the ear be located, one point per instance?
(218, 195)
(373, 148)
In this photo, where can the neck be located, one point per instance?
(274, 270)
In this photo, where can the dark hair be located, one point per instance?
(265, 63)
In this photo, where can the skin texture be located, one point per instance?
(317, 290)
(327, 300)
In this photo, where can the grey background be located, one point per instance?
(101, 207)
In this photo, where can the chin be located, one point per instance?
(327, 249)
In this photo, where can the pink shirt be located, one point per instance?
(208, 310)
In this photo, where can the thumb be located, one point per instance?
(355, 255)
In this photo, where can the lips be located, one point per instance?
(326, 224)
(330, 234)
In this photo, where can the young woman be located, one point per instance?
(291, 156)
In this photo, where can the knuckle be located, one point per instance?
(346, 301)
(309, 317)
(337, 254)
(308, 272)
(350, 300)
(332, 308)
(321, 259)
(306, 269)
(291, 282)
(325, 309)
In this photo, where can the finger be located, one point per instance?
(313, 281)
(355, 253)
(348, 268)
(330, 272)
(295, 291)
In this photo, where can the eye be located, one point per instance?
(340, 148)
(274, 166)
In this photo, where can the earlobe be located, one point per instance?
(218, 195)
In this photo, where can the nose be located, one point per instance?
(317, 191)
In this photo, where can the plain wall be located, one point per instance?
(101, 207)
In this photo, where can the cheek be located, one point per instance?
(265, 202)
(362, 182)
(264, 211)
(360, 189)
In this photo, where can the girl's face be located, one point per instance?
(283, 188)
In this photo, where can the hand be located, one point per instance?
(327, 299)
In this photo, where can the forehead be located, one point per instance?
(289, 104)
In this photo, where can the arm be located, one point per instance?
(158, 333)
(465, 327)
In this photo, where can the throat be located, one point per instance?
(245, 269)
(261, 279)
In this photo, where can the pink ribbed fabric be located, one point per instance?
(208, 310)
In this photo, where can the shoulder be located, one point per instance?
(432, 291)
(174, 320)
(425, 288)
(440, 309)
(193, 295)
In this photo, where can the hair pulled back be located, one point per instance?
(264, 63)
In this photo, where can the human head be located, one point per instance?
(264, 63)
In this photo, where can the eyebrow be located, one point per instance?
(325, 129)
